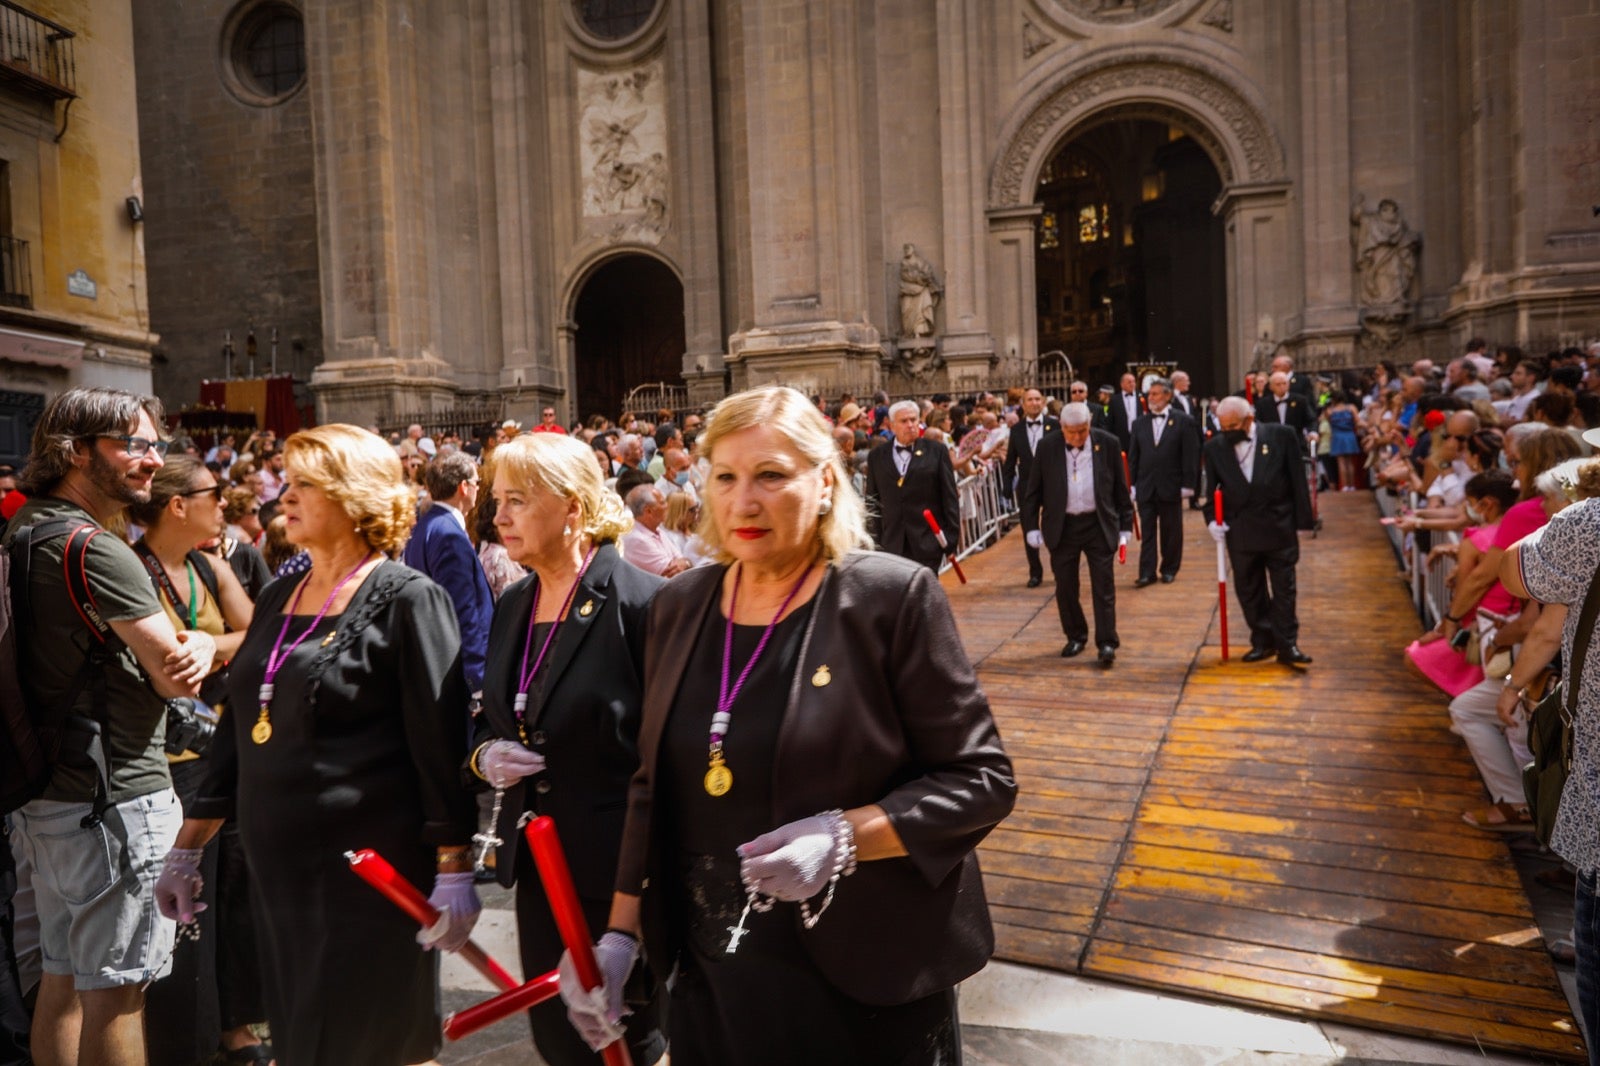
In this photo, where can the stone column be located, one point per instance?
(373, 247)
(695, 206)
(967, 345)
(807, 227)
(1260, 293)
(1013, 304)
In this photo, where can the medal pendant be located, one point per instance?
(261, 732)
(719, 779)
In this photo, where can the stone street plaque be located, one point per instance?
(80, 283)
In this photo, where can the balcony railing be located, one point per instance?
(16, 274)
(36, 54)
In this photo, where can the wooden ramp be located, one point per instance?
(1282, 839)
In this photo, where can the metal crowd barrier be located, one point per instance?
(1430, 595)
(985, 511)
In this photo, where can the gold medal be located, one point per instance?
(719, 779)
(261, 732)
(821, 677)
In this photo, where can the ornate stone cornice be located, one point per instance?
(1168, 87)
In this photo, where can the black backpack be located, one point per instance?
(31, 738)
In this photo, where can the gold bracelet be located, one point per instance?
(472, 763)
(446, 856)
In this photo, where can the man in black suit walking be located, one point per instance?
(1030, 429)
(1076, 503)
(1124, 410)
(1298, 382)
(1285, 407)
(1164, 463)
(1182, 401)
(1266, 502)
(904, 478)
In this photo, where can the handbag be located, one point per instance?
(1550, 728)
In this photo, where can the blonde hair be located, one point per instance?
(844, 528)
(361, 473)
(566, 468)
(680, 511)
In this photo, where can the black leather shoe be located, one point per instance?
(1108, 655)
(1167, 579)
(1034, 582)
(1256, 655)
(1293, 656)
(1141, 582)
(1074, 647)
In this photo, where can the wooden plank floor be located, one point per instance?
(1286, 840)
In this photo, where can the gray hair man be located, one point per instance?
(648, 546)
(1076, 504)
(906, 477)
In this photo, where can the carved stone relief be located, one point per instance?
(1386, 254)
(622, 133)
(1116, 12)
(1124, 76)
(1220, 16)
(1034, 40)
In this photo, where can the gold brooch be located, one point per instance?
(821, 677)
(587, 609)
(1263, 449)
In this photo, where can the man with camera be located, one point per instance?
(99, 659)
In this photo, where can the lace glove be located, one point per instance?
(503, 763)
(1218, 531)
(179, 886)
(796, 861)
(1186, 494)
(597, 1013)
(457, 903)
(1122, 540)
(1035, 539)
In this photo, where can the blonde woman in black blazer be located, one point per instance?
(799, 849)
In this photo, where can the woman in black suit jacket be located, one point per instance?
(571, 637)
(808, 710)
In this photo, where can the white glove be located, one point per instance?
(1133, 493)
(456, 900)
(179, 886)
(1035, 539)
(1218, 531)
(505, 762)
(598, 1012)
(1122, 540)
(1188, 493)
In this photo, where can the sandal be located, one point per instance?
(1500, 818)
(249, 1055)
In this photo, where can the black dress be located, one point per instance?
(369, 727)
(767, 1004)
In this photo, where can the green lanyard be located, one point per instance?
(187, 565)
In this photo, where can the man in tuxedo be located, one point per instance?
(905, 478)
(1164, 464)
(1182, 401)
(439, 547)
(1285, 407)
(1124, 411)
(1030, 429)
(1298, 382)
(1266, 502)
(1076, 504)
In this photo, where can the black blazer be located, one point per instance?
(896, 719)
(1298, 416)
(1019, 457)
(894, 507)
(1264, 513)
(1047, 489)
(585, 720)
(1162, 471)
(1117, 417)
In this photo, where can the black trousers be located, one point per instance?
(1162, 526)
(1083, 537)
(1264, 583)
(1035, 564)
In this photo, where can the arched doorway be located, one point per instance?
(1130, 262)
(630, 332)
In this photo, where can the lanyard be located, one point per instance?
(159, 572)
(525, 675)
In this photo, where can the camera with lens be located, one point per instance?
(191, 724)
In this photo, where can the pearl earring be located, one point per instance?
(827, 507)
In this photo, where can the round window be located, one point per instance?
(612, 20)
(268, 52)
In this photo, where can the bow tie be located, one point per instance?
(1035, 422)
(1074, 448)
(1159, 415)
(903, 447)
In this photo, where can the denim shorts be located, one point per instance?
(94, 888)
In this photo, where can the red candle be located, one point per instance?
(944, 545)
(375, 870)
(469, 1021)
(1217, 502)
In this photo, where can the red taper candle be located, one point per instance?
(1222, 575)
(556, 878)
(1216, 500)
(938, 535)
(375, 870)
(481, 1015)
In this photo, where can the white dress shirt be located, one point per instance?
(1246, 454)
(1035, 428)
(1080, 480)
(902, 456)
(1158, 422)
(1130, 403)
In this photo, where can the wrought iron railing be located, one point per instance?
(16, 273)
(36, 52)
(466, 420)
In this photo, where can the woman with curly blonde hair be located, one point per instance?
(562, 692)
(348, 731)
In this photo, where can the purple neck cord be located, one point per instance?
(525, 676)
(274, 661)
(725, 698)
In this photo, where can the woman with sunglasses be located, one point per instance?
(212, 996)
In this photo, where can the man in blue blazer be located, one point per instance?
(439, 547)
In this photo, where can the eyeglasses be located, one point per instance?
(216, 491)
(1462, 437)
(138, 446)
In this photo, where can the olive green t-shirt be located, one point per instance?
(54, 641)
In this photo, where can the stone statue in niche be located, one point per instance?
(1386, 267)
(920, 293)
(623, 151)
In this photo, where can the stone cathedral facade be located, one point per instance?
(552, 201)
